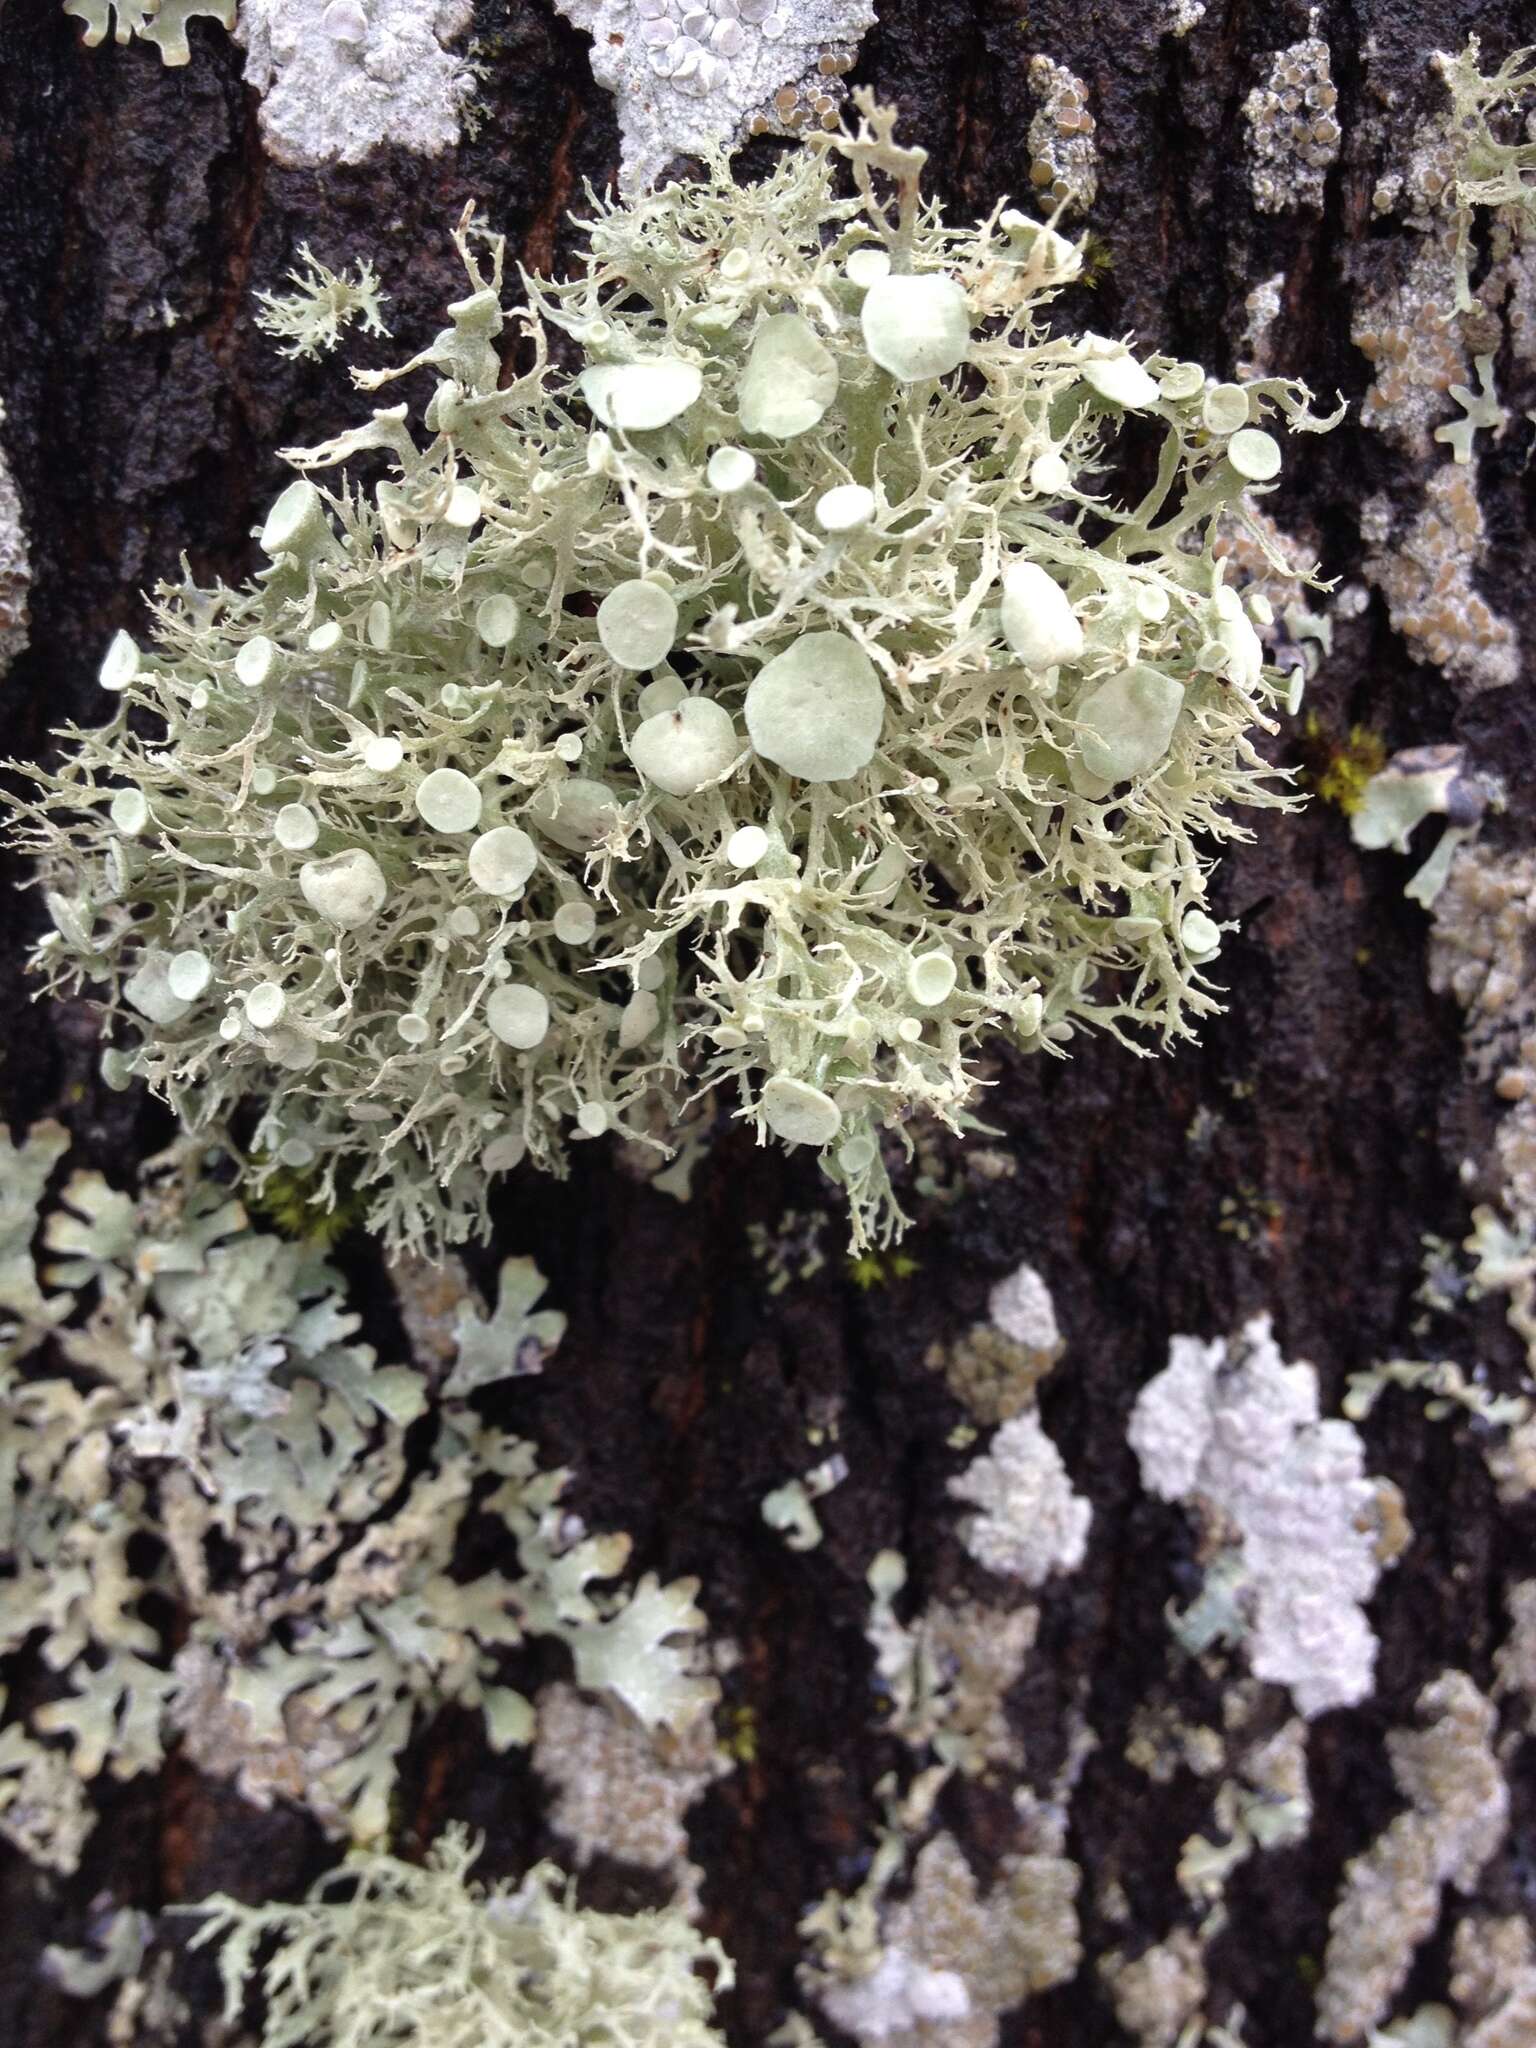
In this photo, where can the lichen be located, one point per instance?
(1492, 158)
(1480, 953)
(1031, 1523)
(15, 567)
(948, 1960)
(1515, 1661)
(1236, 1432)
(1064, 157)
(621, 1789)
(310, 318)
(994, 1368)
(161, 22)
(208, 1456)
(1481, 412)
(1158, 1993)
(117, 1950)
(423, 1952)
(1265, 1804)
(1493, 1980)
(397, 844)
(338, 78)
(1390, 1902)
(1293, 127)
(691, 75)
(789, 1510)
(1418, 783)
(946, 1675)
(1425, 573)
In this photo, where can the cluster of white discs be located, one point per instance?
(690, 42)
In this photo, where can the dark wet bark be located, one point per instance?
(1331, 1099)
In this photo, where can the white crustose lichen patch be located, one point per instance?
(1236, 1431)
(689, 75)
(15, 566)
(339, 77)
(1031, 1524)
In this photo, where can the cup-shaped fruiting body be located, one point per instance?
(640, 397)
(1120, 380)
(931, 979)
(1126, 724)
(1038, 621)
(448, 801)
(845, 508)
(297, 523)
(497, 619)
(576, 813)
(637, 624)
(501, 861)
(730, 469)
(296, 828)
(816, 710)
(187, 974)
(152, 992)
(687, 747)
(789, 381)
(120, 663)
(346, 889)
(799, 1113)
(518, 1015)
(916, 326)
(1255, 455)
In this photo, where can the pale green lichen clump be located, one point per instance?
(788, 700)
(424, 1954)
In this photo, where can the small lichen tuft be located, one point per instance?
(424, 1953)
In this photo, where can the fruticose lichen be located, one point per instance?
(423, 1953)
(1492, 155)
(308, 319)
(1237, 1431)
(787, 702)
(208, 1457)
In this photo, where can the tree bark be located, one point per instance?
(1293, 1162)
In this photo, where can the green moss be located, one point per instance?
(296, 1204)
(1339, 771)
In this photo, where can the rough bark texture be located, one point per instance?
(137, 214)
